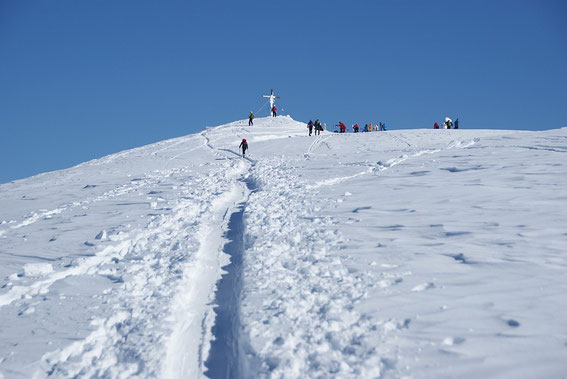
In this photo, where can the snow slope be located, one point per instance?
(418, 253)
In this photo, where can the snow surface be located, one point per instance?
(415, 253)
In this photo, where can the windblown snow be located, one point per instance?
(415, 253)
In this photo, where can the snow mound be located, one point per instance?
(415, 253)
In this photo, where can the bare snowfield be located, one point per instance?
(414, 253)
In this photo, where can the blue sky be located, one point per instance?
(82, 79)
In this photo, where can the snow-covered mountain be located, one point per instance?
(418, 253)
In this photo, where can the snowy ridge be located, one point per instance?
(403, 253)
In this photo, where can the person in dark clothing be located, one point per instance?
(366, 128)
(310, 127)
(318, 127)
(456, 124)
(355, 128)
(250, 119)
(436, 126)
(274, 111)
(243, 146)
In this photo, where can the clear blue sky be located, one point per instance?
(82, 79)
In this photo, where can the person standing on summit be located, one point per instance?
(274, 111)
(310, 127)
(318, 127)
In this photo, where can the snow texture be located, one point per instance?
(415, 253)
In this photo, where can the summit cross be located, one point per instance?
(272, 100)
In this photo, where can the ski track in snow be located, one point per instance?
(389, 164)
(100, 354)
(194, 224)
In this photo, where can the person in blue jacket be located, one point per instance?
(456, 124)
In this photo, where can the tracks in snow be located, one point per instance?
(217, 351)
(383, 166)
(166, 272)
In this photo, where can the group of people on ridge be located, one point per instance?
(342, 128)
(317, 125)
(448, 124)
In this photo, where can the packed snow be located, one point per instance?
(415, 253)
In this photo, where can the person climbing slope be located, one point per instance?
(251, 118)
(310, 127)
(243, 146)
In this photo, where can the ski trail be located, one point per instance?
(315, 144)
(398, 138)
(204, 144)
(181, 253)
(120, 190)
(192, 303)
(193, 314)
(169, 146)
(391, 163)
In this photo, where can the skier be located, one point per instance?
(318, 127)
(355, 128)
(456, 124)
(243, 146)
(250, 118)
(310, 127)
(436, 126)
(274, 111)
